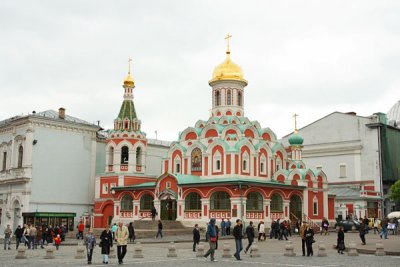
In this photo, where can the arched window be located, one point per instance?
(217, 162)
(245, 162)
(254, 202)
(263, 165)
(220, 201)
(127, 203)
(4, 161)
(111, 156)
(229, 98)
(196, 160)
(20, 156)
(217, 98)
(139, 156)
(146, 202)
(124, 155)
(276, 203)
(192, 201)
(239, 99)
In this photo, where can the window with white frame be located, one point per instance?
(315, 205)
(263, 165)
(4, 161)
(105, 188)
(217, 161)
(343, 170)
(245, 162)
(278, 163)
(177, 163)
(168, 185)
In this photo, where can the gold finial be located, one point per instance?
(228, 40)
(129, 65)
(295, 123)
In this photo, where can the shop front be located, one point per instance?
(50, 218)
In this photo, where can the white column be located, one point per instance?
(136, 206)
(325, 197)
(267, 219)
(121, 180)
(157, 205)
(305, 203)
(27, 159)
(117, 160)
(117, 217)
(132, 161)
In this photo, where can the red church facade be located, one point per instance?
(224, 167)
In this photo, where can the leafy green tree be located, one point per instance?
(395, 191)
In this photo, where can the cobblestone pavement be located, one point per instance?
(271, 255)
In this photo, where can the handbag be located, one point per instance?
(213, 239)
(101, 244)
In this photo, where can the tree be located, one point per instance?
(395, 191)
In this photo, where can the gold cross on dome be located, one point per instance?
(228, 40)
(295, 122)
(129, 65)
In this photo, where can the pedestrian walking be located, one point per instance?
(223, 227)
(196, 236)
(384, 223)
(121, 234)
(261, 231)
(106, 242)
(362, 231)
(324, 226)
(309, 235)
(57, 242)
(238, 234)
(228, 227)
(81, 228)
(18, 236)
(26, 235)
(32, 236)
(303, 237)
(159, 229)
(131, 231)
(90, 242)
(38, 237)
(7, 237)
(211, 236)
(114, 229)
(250, 236)
(153, 213)
(376, 225)
(340, 241)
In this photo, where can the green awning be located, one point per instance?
(49, 214)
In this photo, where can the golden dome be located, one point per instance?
(129, 81)
(228, 70)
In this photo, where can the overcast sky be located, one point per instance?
(305, 57)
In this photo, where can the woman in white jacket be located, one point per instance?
(261, 232)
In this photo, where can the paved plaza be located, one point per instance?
(155, 254)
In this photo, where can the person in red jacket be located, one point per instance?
(81, 228)
(57, 241)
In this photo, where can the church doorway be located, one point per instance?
(296, 212)
(168, 209)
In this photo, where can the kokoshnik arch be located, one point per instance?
(224, 167)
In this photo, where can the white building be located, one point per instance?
(347, 146)
(48, 168)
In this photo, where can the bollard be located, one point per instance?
(112, 253)
(172, 250)
(21, 253)
(254, 250)
(289, 249)
(226, 251)
(379, 249)
(80, 252)
(200, 250)
(49, 252)
(138, 251)
(321, 250)
(352, 249)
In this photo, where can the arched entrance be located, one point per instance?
(17, 214)
(168, 205)
(296, 210)
(108, 215)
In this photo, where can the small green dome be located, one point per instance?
(296, 139)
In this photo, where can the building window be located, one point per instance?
(254, 202)
(4, 161)
(229, 98)
(262, 167)
(343, 170)
(315, 208)
(245, 162)
(263, 164)
(217, 162)
(127, 203)
(192, 201)
(278, 164)
(217, 98)
(239, 99)
(124, 155)
(111, 156)
(146, 202)
(276, 203)
(20, 156)
(220, 201)
(139, 156)
(105, 188)
(168, 185)
(196, 160)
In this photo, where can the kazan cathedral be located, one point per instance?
(224, 167)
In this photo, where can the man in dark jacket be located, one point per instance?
(18, 235)
(362, 232)
(196, 236)
(250, 235)
(238, 234)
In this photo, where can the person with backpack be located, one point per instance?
(211, 236)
